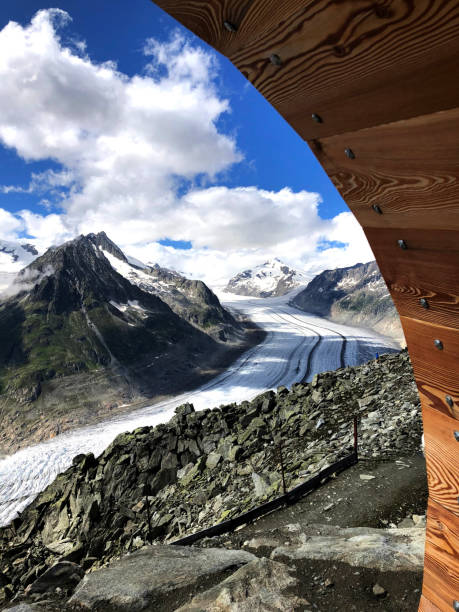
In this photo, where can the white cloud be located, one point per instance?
(130, 147)
(10, 226)
(217, 265)
(24, 281)
(48, 230)
(123, 140)
(247, 217)
(42, 182)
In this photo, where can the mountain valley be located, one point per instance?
(78, 340)
(88, 333)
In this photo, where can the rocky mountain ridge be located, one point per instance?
(190, 299)
(355, 295)
(18, 252)
(77, 337)
(270, 279)
(158, 484)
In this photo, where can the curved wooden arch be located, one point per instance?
(373, 87)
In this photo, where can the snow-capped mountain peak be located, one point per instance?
(270, 279)
(190, 299)
(152, 279)
(13, 257)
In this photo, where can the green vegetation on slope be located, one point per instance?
(37, 345)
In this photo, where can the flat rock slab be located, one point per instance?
(383, 549)
(144, 578)
(259, 586)
(22, 607)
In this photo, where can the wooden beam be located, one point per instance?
(427, 606)
(434, 369)
(355, 63)
(441, 565)
(441, 434)
(428, 269)
(251, 18)
(408, 168)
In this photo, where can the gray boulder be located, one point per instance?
(259, 586)
(145, 578)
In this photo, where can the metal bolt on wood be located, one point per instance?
(456, 435)
(424, 303)
(402, 244)
(456, 605)
(439, 345)
(275, 60)
(317, 118)
(230, 26)
(377, 209)
(449, 400)
(349, 153)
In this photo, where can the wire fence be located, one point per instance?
(288, 497)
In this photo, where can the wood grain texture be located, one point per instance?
(408, 168)
(441, 564)
(252, 18)
(427, 606)
(428, 268)
(355, 63)
(442, 458)
(205, 18)
(435, 370)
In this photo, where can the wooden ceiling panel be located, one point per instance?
(251, 18)
(442, 458)
(428, 269)
(206, 17)
(408, 168)
(433, 367)
(357, 64)
(441, 567)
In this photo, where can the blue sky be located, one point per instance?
(249, 174)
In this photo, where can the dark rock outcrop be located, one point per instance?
(356, 295)
(192, 300)
(63, 575)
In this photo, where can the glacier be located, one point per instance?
(297, 346)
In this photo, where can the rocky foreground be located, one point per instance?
(155, 485)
